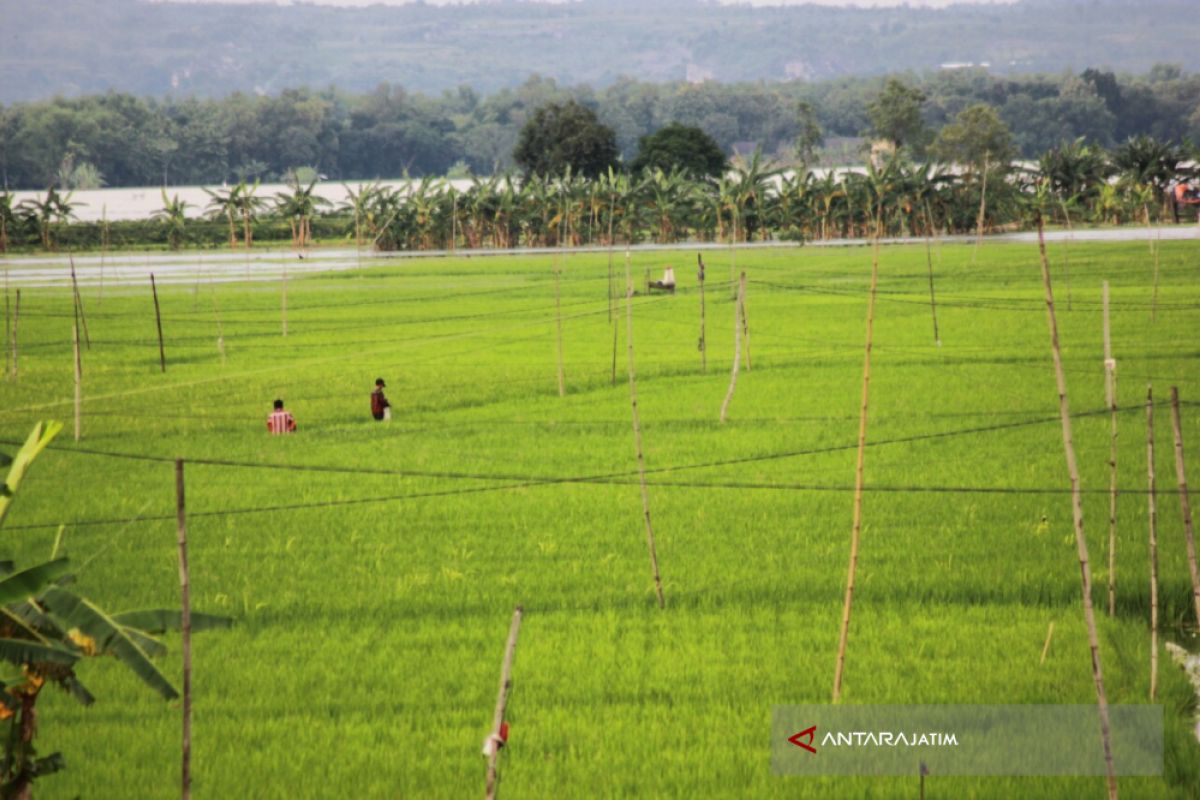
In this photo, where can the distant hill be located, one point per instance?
(75, 47)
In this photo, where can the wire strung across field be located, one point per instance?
(517, 481)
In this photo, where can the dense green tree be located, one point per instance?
(895, 116)
(977, 136)
(809, 136)
(565, 135)
(682, 147)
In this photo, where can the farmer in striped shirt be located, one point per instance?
(280, 421)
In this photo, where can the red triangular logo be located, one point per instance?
(807, 733)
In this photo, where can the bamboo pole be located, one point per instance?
(283, 302)
(79, 303)
(937, 339)
(737, 351)
(185, 629)
(1154, 252)
(982, 209)
(637, 438)
(1077, 513)
(1046, 646)
(16, 352)
(103, 247)
(856, 522)
(614, 353)
(78, 381)
(612, 206)
(1185, 504)
(162, 354)
(745, 322)
(702, 344)
(1152, 500)
(1067, 252)
(7, 328)
(1110, 390)
(562, 386)
(495, 740)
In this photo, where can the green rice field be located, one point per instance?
(372, 568)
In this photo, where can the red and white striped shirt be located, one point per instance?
(281, 422)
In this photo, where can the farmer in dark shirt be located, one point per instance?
(381, 409)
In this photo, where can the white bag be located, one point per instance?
(387, 414)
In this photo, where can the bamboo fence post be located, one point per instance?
(1067, 252)
(1077, 514)
(16, 352)
(103, 248)
(1110, 389)
(283, 301)
(733, 250)
(982, 208)
(612, 206)
(745, 322)
(1154, 252)
(702, 344)
(1152, 500)
(1184, 503)
(856, 523)
(937, 339)
(495, 739)
(562, 386)
(737, 353)
(78, 381)
(79, 304)
(637, 441)
(7, 328)
(1046, 646)
(185, 628)
(162, 355)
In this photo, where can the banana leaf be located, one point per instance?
(161, 620)
(23, 651)
(28, 582)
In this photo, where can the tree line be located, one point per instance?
(117, 139)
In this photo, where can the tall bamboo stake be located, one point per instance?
(745, 322)
(562, 386)
(737, 351)
(1154, 252)
(283, 302)
(856, 522)
(703, 345)
(162, 353)
(78, 381)
(79, 304)
(637, 438)
(982, 209)
(185, 629)
(1185, 504)
(103, 247)
(937, 339)
(16, 353)
(1110, 390)
(1077, 513)
(612, 205)
(496, 739)
(1046, 646)
(7, 328)
(1152, 499)
(1067, 252)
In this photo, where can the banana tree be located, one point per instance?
(248, 206)
(225, 203)
(55, 207)
(174, 215)
(359, 203)
(8, 219)
(47, 629)
(299, 206)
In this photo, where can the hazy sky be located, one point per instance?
(860, 3)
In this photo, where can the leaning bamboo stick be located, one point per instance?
(16, 352)
(745, 322)
(702, 344)
(185, 628)
(7, 327)
(982, 209)
(1110, 387)
(1152, 500)
(856, 523)
(1184, 503)
(937, 339)
(737, 351)
(79, 304)
(1046, 646)
(562, 386)
(162, 354)
(496, 739)
(637, 438)
(1077, 513)
(78, 381)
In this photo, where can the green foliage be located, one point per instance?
(562, 137)
(680, 147)
(976, 137)
(895, 115)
